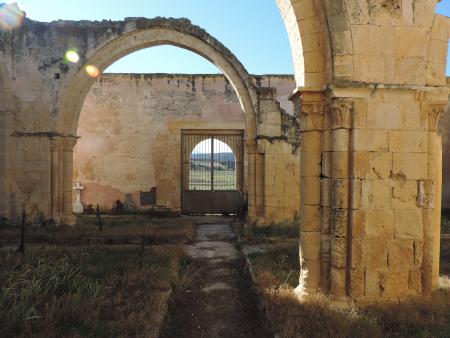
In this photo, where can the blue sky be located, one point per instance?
(443, 8)
(252, 29)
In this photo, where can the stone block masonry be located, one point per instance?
(130, 137)
(371, 87)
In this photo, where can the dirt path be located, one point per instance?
(218, 302)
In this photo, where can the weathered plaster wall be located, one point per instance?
(6, 121)
(130, 131)
(5, 126)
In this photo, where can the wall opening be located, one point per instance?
(130, 134)
(212, 171)
(139, 33)
(212, 166)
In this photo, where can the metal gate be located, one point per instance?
(212, 171)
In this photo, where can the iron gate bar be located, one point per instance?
(211, 157)
(222, 190)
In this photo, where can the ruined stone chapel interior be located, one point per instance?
(350, 146)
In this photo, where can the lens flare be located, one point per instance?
(92, 71)
(72, 56)
(11, 16)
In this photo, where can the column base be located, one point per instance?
(69, 219)
(79, 208)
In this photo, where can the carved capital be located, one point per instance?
(307, 103)
(312, 108)
(340, 113)
(435, 112)
(68, 142)
(309, 108)
(56, 143)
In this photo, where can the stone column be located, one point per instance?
(5, 163)
(432, 191)
(370, 191)
(251, 180)
(56, 179)
(310, 108)
(340, 113)
(67, 154)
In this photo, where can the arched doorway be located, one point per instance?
(147, 33)
(212, 172)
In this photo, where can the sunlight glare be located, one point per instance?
(92, 71)
(11, 16)
(72, 56)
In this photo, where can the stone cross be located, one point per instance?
(78, 209)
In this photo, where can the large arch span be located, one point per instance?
(145, 33)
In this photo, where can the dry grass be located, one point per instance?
(277, 274)
(445, 221)
(251, 234)
(444, 282)
(88, 291)
(115, 230)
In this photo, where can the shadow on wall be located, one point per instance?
(444, 127)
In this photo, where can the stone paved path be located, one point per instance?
(218, 302)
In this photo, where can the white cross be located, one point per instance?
(78, 186)
(78, 205)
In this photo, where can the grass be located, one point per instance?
(445, 257)
(200, 179)
(92, 291)
(88, 291)
(273, 233)
(116, 230)
(276, 272)
(445, 221)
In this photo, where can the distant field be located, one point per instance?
(200, 179)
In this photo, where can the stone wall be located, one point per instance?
(49, 93)
(372, 232)
(371, 88)
(130, 133)
(444, 128)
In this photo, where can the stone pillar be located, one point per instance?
(67, 156)
(395, 215)
(339, 124)
(310, 108)
(5, 164)
(370, 191)
(432, 231)
(56, 179)
(251, 180)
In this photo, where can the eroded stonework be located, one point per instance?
(130, 137)
(371, 86)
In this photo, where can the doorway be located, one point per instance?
(212, 171)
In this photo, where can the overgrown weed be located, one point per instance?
(316, 316)
(87, 291)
